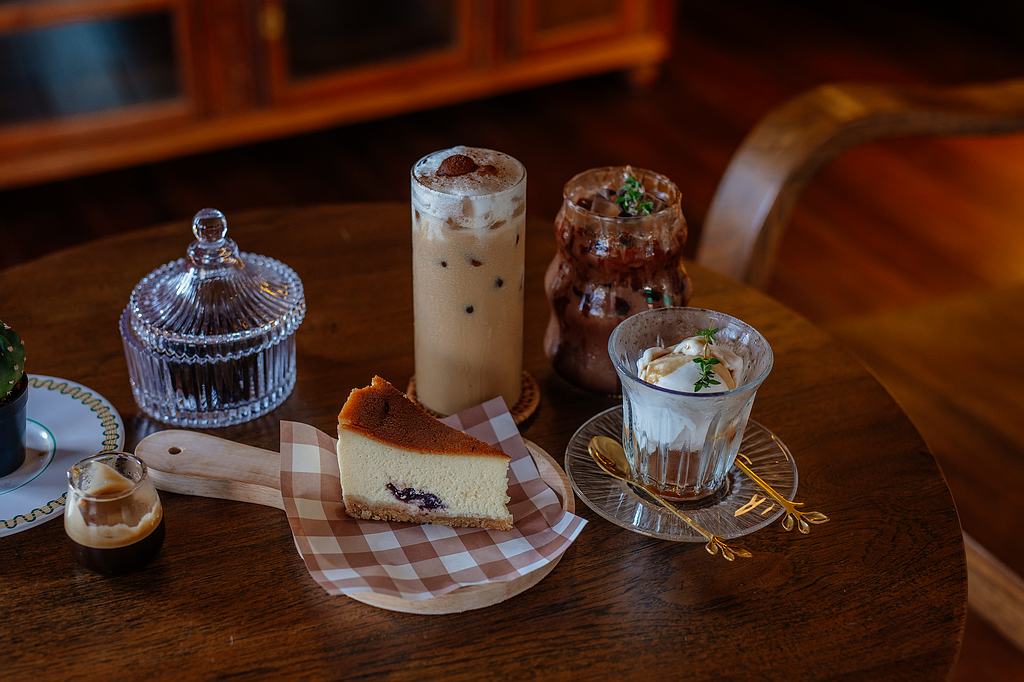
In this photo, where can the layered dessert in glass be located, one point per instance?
(689, 378)
(620, 235)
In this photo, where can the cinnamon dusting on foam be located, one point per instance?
(468, 171)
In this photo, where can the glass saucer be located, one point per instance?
(617, 502)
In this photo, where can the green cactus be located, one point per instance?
(12, 360)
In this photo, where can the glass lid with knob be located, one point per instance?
(209, 338)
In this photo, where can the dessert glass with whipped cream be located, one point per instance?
(468, 241)
(689, 377)
(113, 514)
(620, 235)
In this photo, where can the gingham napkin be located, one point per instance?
(410, 561)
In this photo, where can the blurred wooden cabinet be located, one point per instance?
(544, 26)
(317, 49)
(88, 85)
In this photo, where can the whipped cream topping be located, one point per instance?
(673, 367)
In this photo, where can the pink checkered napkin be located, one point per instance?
(407, 560)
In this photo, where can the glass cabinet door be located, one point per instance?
(544, 25)
(83, 71)
(85, 67)
(317, 45)
(328, 37)
(565, 13)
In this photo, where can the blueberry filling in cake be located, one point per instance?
(424, 500)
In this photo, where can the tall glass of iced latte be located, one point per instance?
(468, 240)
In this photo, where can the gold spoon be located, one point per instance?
(608, 454)
(793, 515)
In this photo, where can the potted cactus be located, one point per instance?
(13, 399)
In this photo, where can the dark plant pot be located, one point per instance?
(12, 428)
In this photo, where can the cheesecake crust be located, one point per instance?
(360, 510)
(382, 412)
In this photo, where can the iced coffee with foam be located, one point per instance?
(113, 514)
(468, 238)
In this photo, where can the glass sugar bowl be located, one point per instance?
(210, 338)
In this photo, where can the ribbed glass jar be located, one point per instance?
(210, 338)
(608, 267)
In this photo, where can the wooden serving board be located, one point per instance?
(193, 463)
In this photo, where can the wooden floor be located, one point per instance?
(885, 226)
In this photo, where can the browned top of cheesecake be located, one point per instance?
(382, 412)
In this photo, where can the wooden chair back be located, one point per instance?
(754, 200)
(761, 185)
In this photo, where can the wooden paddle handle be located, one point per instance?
(193, 463)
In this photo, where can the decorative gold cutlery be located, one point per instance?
(794, 516)
(608, 454)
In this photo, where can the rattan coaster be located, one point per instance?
(529, 399)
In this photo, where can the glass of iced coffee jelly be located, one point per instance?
(615, 258)
(468, 240)
(113, 514)
(689, 378)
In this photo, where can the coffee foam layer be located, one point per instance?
(506, 173)
(435, 211)
(110, 536)
(97, 479)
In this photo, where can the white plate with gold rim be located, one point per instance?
(66, 422)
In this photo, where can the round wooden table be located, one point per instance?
(878, 591)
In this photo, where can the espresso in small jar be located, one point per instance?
(113, 514)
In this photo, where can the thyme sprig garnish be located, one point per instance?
(631, 199)
(707, 373)
(708, 335)
(706, 363)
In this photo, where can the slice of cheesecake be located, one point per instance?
(400, 464)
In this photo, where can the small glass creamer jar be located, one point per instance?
(113, 516)
(609, 267)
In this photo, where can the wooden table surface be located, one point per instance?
(880, 590)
